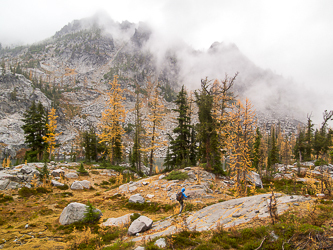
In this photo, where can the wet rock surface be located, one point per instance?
(226, 214)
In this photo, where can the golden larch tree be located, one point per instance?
(110, 124)
(223, 98)
(51, 135)
(239, 142)
(154, 125)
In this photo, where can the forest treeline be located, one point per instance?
(224, 139)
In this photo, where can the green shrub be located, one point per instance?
(64, 187)
(119, 245)
(5, 198)
(186, 239)
(44, 173)
(81, 171)
(176, 175)
(320, 162)
(91, 216)
(205, 246)
(134, 216)
(150, 207)
(105, 183)
(42, 190)
(26, 192)
(2, 221)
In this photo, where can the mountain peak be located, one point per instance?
(221, 46)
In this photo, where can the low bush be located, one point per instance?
(91, 216)
(5, 198)
(150, 207)
(26, 192)
(134, 216)
(176, 175)
(81, 171)
(64, 187)
(320, 162)
(42, 190)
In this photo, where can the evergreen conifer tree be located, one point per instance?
(168, 161)
(274, 154)
(308, 140)
(207, 133)
(34, 128)
(45, 173)
(193, 148)
(256, 150)
(137, 147)
(180, 146)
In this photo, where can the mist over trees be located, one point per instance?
(226, 139)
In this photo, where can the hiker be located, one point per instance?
(180, 197)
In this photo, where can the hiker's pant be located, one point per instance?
(181, 206)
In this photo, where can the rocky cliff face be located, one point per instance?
(16, 94)
(81, 58)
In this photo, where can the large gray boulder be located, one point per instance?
(123, 220)
(160, 243)
(79, 185)
(57, 172)
(57, 183)
(137, 198)
(76, 185)
(75, 212)
(255, 179)
(71, 176)
(141, 224)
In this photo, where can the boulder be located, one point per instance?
(57, 183)
(35, 172)
(57, 172)
(160, 243)
(75, 212)
(255, 179)
(137, 198)
(77, 185)
(120, 221)
(194, 193)
(123, 188)
(126, 171)
(13, 185)
(161, 177)
(4, 184)
(141, 224)
(132, 188)
(86, 184)
(26, 169)
(145, 170)
(72, 175)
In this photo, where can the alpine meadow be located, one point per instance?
(102, 125)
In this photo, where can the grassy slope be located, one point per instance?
(308, 226)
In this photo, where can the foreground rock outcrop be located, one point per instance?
(226, 214)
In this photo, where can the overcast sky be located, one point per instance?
(293, 38)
